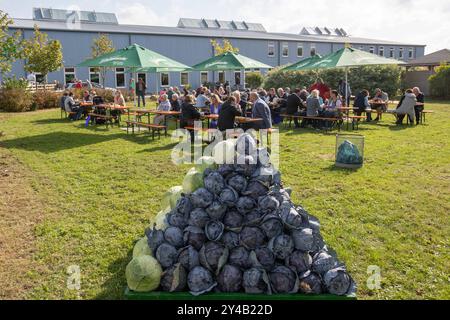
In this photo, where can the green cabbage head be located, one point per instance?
(192, 181)
(171, 197)
(143, 274)
(204, 163)
(141, 248)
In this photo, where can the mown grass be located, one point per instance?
(101, 187)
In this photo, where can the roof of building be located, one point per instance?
(225, 32)
(432, 59)
(48, 14)
(220, 24)
(323, 31)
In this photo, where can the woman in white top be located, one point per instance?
(119, 100)
(164, 105)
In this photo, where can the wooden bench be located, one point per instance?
(423, 115)
(151, 127)
(95, 116)
(334, 121)
(354, 120)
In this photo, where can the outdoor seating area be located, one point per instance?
(214, 161)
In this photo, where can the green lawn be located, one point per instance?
(100, 188)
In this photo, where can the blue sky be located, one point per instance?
(413, 21)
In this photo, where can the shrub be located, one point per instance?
(15, 100)
(254, 79)
(440, 82)
(389, 78)
(45, 99)
(14, 83)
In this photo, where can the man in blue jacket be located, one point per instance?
(260, 110)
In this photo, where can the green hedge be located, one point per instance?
(440, 82)
(389, 78)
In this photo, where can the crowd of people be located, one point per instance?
(318, 101)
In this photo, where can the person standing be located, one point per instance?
(420, 99)
(345, 91)
(214, 108)
(293, 105)
(324, 90)
(260, 110)
(141, 88)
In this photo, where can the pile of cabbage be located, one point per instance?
(233, 228)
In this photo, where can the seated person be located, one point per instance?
(96, 99)
(214, 108)
(189, 113)
(71, 106)
(331, 109)
(119, 100)
(380, 96)
(202, 100)
(164, 105)
(293, 105)
(87, 97)
(420, 98)
(63, 100)
(406, 107)
(227, 114)
(312, 107)
(175, 102)
(362, 104)
(260, 110)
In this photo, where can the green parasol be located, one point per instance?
(137, 59)
(230, 61)
(348, 58)
(302, 63)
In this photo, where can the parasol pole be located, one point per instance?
(346, 88)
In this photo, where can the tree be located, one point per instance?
(43, 55)
(100, 46)
(225, 47)
(11, 46)
(254, 79)
(440, 82)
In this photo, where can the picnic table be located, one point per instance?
(239, 120)
(143, 112)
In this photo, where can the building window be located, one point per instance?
(285, 49)
(69, 75)
(400, 53)
(184, 78)
(120, 78)
(94, 75)
(204, 77)
(313, 50)
(361, 48)
(381, 51)
(372, 50)
(165, 79)
(237, 78)
(410, 53)
(392, 53)
(222, 77)
(271, 49)
(299, 50)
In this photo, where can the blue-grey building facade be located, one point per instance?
(189, 43)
